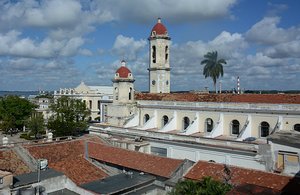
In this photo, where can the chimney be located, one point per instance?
(238, 85)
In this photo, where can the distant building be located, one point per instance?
(96, 98)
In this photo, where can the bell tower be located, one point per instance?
(123, 107)
(159, 65)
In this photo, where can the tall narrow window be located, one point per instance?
(186, 122)
(146, 118)
(166, 53)
(235, 127)
(116, 93)
(90, 104)
(209, 124)
(153, 54)
(165, 120)
(99, 105)
(130, 93)
(264, 129)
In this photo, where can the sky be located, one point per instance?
(52, 44)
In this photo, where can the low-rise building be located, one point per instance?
(96, 98)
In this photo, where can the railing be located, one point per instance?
(40, 141)
(176, 137)
(213, 105)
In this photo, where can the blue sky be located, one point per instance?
(57, 44)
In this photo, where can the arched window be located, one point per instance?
(264, 129)
(209, 125)
(186, 122)
(90, 104)
(146, 118)
(297, 127)
(130, 93)
(165, 120)
(235, 127)
(153, 54)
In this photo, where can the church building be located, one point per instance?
(240, 121)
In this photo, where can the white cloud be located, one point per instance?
(175, 11)
(284, 50)
(259, 59)
(127, 47)
(55, 13)
(267, 31)
(14, 45)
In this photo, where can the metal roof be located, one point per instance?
(30, 178)
(120, 183)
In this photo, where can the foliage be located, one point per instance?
(207, 186)
(46, 95)
(36, 124)
(213, 66)
(26, 136)
(14, 111)
(69, 116)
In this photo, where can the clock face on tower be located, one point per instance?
(153, 82)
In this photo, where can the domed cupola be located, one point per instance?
(123, 85)
(123, 72)
(159, 31)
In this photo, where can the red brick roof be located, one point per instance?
(155, 165)
(243, 98)
(241, 176)
(10, 161)
(68, 157)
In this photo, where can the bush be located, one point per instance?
(25, 136)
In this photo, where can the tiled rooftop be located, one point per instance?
(241, 176)
(10, 161)
(155, 165)
(68, 157)
(242, 98)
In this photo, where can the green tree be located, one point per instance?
(14, 111)
(69, 118)
(213, 66)
(207, 186)
(36, 124)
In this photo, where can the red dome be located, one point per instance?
(159, 28)
(123, 72)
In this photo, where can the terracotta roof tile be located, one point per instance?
(242, 98)
(68, 157)
(10, 161)
(134, 160)
(240, 176)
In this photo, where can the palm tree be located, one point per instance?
(213, 66)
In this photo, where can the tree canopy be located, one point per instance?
(36, 124)
(69, 118)
(207, 186)
(213, 66)
(14, 111)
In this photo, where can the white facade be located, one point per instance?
(96, 98)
